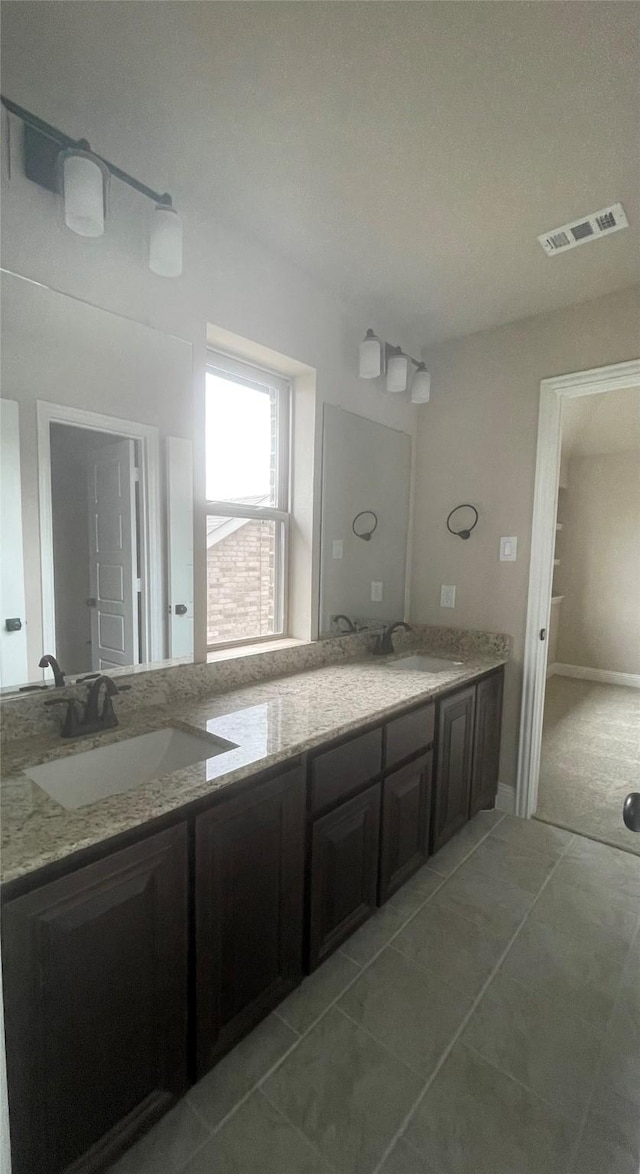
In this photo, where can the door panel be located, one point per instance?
(13, 644)
(113, 544)
(406, 813)
(344, 872)
(454, 762)
(249, 896)
(95, 980)
(180, 545)
(486, 743)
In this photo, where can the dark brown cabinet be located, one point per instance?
(344, 872)
(406, 810)
(249, 884)
(453, 766)
(95, 978)
(486, 743)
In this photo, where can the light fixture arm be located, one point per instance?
(390, 351)
(64, 142)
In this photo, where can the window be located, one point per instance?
(247, 488)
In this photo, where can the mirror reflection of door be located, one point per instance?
(13, 632)
(96, 557)
(180, 545)
(114, 582)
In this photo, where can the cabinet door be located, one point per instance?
(486, 743)
(344, 872)
(453, 768)
(406, 810)
(95, 978)
(249, 878)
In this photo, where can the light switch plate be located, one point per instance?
(508, 550)
(337, 548)
(447, 596)
(376, 591)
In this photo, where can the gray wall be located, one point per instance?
(365, 466)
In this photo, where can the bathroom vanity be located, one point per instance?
(139, 948)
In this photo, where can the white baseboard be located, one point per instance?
(506, 799)
(551, 670)
(631, 680)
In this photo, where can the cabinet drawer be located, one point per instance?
(337, 773)
(409, 734)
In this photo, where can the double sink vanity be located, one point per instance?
(167, 884)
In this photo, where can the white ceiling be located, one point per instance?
(595, 425)
(406, 154)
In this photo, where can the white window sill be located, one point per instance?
(240, 650)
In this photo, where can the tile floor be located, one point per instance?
(486, 1021)
(590, 758)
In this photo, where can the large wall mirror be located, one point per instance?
(96, 499)
(366, 482)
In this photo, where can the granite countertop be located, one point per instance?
(269, 723)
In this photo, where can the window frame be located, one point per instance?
(252, 375)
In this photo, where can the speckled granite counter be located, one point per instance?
(269, 722)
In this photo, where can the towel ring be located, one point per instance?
(366, 528)
(466, 531)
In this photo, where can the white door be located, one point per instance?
(113, 573)
(13, 632)
(180, 545)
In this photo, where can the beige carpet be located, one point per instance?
(590, 759)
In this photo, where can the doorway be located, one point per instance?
(580, 729)
(100, 539)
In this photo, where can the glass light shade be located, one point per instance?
(84, 185)
(370, 357)
(165, 245)
(397, 373)
(421, 387)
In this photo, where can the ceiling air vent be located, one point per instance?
(589, 228)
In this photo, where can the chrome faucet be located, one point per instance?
(49, 661)
(97, 712)
(384, 643)
(350, 624)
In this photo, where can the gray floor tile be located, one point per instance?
(593, 866)
(404, 1160)
(458, 848)
(413, 894)
(538, 1041)
(616, 1099)
(496, 907)
(597, 917)
(531, 834)
(512, 863)
(257, 1140)
(566, 968)
(346, 1092)
(303, 1007)
(216, 1094)
(411, 1013)
(169, 1145)
(450, 947)
(374, 934)
(475, 1120)
(598, 1154)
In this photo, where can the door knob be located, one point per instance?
(631, 811)
(181, 609)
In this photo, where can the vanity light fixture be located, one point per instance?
(376, 358)
(68, 167)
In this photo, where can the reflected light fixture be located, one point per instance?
(421, 386)
(370, 357)
(376, 358)
(165, 243)
(84, 189)
(68, 167)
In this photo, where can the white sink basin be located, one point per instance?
(80, 779)
(426, 664)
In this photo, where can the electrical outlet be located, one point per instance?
(337, 548)
(447, 596)
(376, 591)
(508, 550)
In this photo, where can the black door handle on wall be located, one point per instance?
(631, 811)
